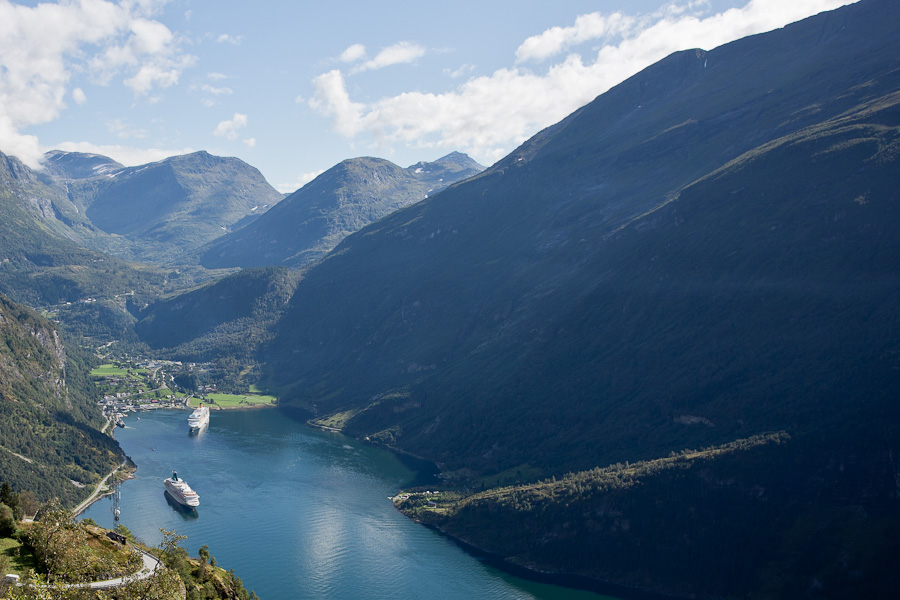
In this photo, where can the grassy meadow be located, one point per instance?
(226, 401)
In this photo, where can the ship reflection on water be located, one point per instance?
(188, 513)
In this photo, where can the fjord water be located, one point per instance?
(296, 512)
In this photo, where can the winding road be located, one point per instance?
(81, 507)
(151, 563)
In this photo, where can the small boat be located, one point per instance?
(199, 418)
(180, 491)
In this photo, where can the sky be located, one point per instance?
(294, 88)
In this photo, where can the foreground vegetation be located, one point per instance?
(55, 555)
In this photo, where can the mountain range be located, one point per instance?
(231, 316)
(344, 199)
(42, 258)
(86, 227)
(163, 209)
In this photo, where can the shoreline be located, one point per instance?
(561, 579)
(492, 559)
(97, 494)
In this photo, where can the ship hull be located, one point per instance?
(178, 495)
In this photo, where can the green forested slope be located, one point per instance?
(50, 441)
(732, 521)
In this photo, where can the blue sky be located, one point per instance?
(293, 88)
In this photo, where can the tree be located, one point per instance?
(7, 521)
(63, 551)
(11, 500)
(29, 501)
(5, 493)
(205, 558)
(51, 536)
(170, 541)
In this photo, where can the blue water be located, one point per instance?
(297, 513)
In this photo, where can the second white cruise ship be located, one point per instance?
(199, 418)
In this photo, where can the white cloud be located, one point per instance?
(211, 92)
(79, 96)
(487, 116)
(234, 40)
(331, 99)
(250, 142)
(215, 91)
(162, 74)
(25, 147)
(302, 179)
(229, 129)
(587, 27)
(460, 72)
(150, 52)
(42, 45)
(353, 53)
(123, 130)
(399, 53)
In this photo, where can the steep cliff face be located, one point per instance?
(50, 441)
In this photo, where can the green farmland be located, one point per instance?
(226, 401)
(110, 370)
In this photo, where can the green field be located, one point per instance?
(19, 560)
(234, 401)
(109, 370)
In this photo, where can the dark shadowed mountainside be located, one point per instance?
(344, 199)
(569, 274)
(706, 253)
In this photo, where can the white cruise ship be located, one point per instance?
(199, 418)
(181, 491)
